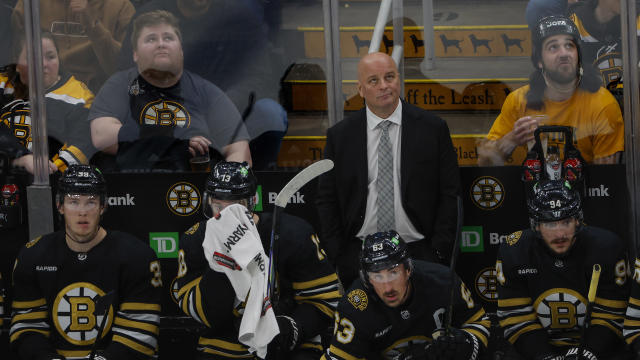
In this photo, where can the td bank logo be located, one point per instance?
(472, 239)
(257, 199)
(165, 244)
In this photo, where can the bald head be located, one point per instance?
(379, 83)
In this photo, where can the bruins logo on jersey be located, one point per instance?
(487, 284)
(561, 308)
(358, 298)
(74, 314)
(165, 113)
(487, 192)
(19, 121)
(512, 239)
(183, 199)
(610, 66)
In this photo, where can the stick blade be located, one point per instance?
(301, 179)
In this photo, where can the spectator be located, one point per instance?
(543, 276)
(567, 93)
(67, 103)
(398, 305)
(66, 282)
(360, 197)
(225, 42)
(90, 34)
(155, 114)
(306, 285)
(18, 154)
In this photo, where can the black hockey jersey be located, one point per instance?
(365, 328)
(632, 319)
(56, 291)
(542, 298)
(307, 287)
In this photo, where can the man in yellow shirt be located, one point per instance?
(566, 93)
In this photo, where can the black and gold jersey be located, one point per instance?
(56, 298)
(307, 287)
(542, 298)
(632, 318)
(67, 108)
(365, 328)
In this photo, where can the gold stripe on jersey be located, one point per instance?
(513, 338)
(199, 307)
(154, 329)
(329, 311)
(343, 354)
(224, 348)
(514, 302)
(74, 92)
(600, 315)
(73, 353)
(29, 316)
(323, 281)
(133, 306)
(620, 304)
(133, 345)
(18, 333)
(28, 304)
(517, 319)
(189, 285)
(634, 301)
(310, 346)
(478, 334)
(324, 296)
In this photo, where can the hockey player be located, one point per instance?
(307, 286)
(631, 330)
(544, 275)
(398, 305)
(62, 283)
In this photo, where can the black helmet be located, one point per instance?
(383, 250)
(230, 180)
(549, 26)
(553, 200)
(84, 180)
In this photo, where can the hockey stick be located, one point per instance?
(452, 266)
(301, 179)
(591, 297)
(103, 301)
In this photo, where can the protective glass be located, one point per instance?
(79, 202)
(558, 225)
(385, 276)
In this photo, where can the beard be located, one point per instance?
(561, 77)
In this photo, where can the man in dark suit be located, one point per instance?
(355, 198)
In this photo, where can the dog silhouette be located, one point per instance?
(450, 42)
(387, 43)
(479, 42)
(416, 42)
(360, 43)
(511, 42)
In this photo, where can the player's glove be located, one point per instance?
(50, 356)
(457, 345)
(289, 335)
(549, 357)
(572, 354)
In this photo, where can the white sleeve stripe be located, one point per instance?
(149, 340)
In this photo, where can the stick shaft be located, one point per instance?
(591, 297)
(452, 266)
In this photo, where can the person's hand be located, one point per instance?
(82, 9)
(26, 162)
(199, 145)
(287, 339)
(523, 130)
(572, 354)
(457, 345)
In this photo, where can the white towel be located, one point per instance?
(232, 245)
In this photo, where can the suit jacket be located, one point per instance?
(430, 179)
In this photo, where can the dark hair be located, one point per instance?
(153, 18)
(20, 89)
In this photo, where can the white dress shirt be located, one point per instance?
(403, 226)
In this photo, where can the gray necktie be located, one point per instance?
(386, 217)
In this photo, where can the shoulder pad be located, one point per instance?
(32, 242)
(358, 298)
(513, 238)
(192, 229)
